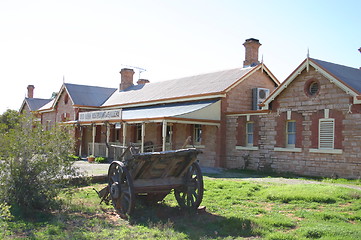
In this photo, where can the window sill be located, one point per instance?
(279, 149)
(332, 151)
(251, 148)
(196, 146)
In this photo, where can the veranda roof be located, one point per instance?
(208, 110)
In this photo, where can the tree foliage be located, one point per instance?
(34, 164)
(9, 120)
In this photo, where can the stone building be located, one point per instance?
(162, 115)
(310, 125)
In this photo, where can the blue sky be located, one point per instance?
(88, 41)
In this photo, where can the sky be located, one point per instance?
(46, 42)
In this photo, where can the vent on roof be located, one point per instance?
(258, 96)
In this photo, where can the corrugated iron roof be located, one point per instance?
(85, 95)
(183, 87)
(348, 75)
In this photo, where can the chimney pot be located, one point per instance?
(251, 58)
(30, 91)
(126, 78)
(142, 81)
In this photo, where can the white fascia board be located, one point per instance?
(283, 86)
(356, 101)
(67, 92)
(298, 72)
(46, 110)
(335, 81)
(244, 77)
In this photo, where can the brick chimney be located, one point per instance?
(126, 78)
(142, 81)
(251, 58)
(31, 91)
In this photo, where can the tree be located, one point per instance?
(9, 120)
(34, 164)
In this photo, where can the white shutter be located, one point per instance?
(326, 133)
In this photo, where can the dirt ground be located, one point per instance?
(101, 169)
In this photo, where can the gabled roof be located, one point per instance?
(47, 106)
(347, 78)
(34, 104)
(348, 75)
(209, 84)
(83, 95)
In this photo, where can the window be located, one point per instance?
(291, 134)
(197, 134)
(249, 133)
(138, 133)
(326, 133)
(168, 138)
(312, 88)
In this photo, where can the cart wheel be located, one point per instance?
(121, 188)
(191, 194)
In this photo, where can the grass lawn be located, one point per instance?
(235, 209)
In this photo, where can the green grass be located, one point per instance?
(235, 209)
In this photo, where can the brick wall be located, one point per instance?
(240, 97)
(306, 111)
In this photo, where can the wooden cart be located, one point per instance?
(152, 176)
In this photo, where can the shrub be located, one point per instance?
(34, 165)
(73, 157)
(101, 159)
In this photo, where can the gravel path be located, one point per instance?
(299, 181)
(92, 169)
(96, 169)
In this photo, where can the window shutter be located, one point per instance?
(326, 133)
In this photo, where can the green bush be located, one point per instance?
(101, 159)
(34, 164)
(73, 157)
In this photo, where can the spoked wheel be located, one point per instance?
(121, 188)
(191, 194)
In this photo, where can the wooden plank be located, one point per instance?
(158, 182)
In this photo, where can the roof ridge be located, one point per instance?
(201, 74)
(38, 98)
(83, 85)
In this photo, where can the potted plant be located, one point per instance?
(91, 158)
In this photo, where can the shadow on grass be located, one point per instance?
(195, 224)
